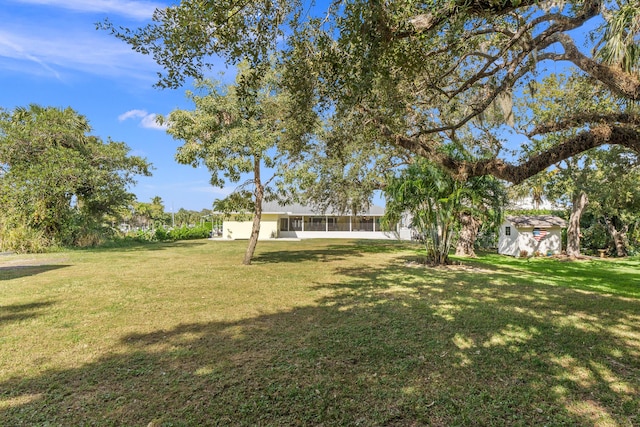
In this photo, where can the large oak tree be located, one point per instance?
(419, 73)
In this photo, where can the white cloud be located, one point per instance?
(132, 114)
(56, 51)
(13, 49)
(130, 8)
(60, 44)
(147, 120)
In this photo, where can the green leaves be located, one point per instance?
(619, 43)
(188, 38)
(58, 181)
(228, 129)
(436, 201)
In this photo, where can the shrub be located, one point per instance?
(187, 233)
(89, 239)
(22, 239)
(161, 235)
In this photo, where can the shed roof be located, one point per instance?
(543, 221)
(297, 209)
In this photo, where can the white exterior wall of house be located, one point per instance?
(382, 235)
(241, 230)
(300, 222)
(522, 239)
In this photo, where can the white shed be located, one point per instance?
(533, 234)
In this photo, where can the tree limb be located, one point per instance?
(628, 137)
(620, 82)
(583, 119)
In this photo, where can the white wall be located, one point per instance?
(552, 242)
(522, 240)
(340, 235)
(508, 245)
(238, 230)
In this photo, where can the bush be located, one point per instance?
(595, 237)
(161, 235)
(90, 239)
(186, 233)
(24, 240)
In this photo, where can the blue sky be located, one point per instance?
(51, 54)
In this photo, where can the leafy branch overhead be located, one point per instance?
(422, 76)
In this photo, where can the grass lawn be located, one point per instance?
(315, 333)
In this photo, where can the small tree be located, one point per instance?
(433, 199)
(233, 131)
(440, 206)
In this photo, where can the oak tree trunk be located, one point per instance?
(573, 231)
(619, 237)
(257, 215)
(468, 235)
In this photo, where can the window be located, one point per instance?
(363, 224)
(295, 223)
(332, 224)
(284, 224)
(507, 231)
(316, 223)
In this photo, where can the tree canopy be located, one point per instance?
(57, 181)
(422, 75)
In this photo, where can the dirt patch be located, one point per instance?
(567, 258)
(448, 267)
(30, 262)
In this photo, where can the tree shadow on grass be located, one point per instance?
(18, 312)
(17, 271)
(388, 345)
(311, 251)
(141, 245)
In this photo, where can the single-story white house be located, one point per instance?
(531, 234)
(303, 222)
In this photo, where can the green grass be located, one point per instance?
(315, 333)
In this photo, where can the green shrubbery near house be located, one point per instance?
(162, 234)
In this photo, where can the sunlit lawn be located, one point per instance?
(315, 333)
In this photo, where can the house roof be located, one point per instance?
(297, 209)
(543, 221)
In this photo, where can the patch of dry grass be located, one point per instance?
(314, 333)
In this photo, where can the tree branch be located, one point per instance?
(620, 82)
(628, 137)
(583, 119)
